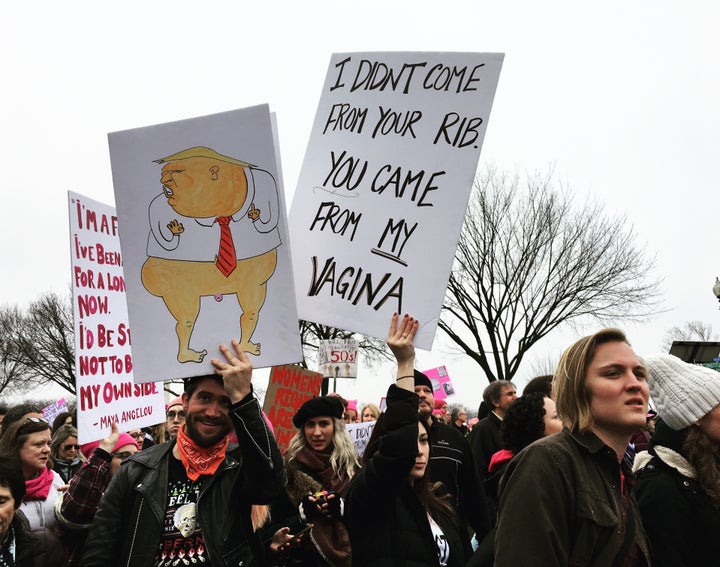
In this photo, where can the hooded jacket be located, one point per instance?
(681, 522)
(35, 548)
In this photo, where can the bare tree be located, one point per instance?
(373, 350)
(43, 342)
(529, 261)
(689, 331)
(13, 376)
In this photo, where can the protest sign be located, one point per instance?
(384, 185)
(103, 360)
(53, 410)
(204, 240)
(289, 387)
(442, 386)
(338, 358)
(360, 434)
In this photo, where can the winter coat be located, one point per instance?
(561, 504)
(681, 522)
(328, 542)
(41, 513)
(128, 525)
(388, 524)
(66, 469)
(485, 441)
(35, 548)
(452, 463)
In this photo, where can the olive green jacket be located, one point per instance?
(561, 504)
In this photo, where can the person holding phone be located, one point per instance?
(319, 462)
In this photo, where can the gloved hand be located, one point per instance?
(328, 504)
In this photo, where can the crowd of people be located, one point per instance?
(575, 471)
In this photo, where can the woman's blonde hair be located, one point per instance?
(569, 384)
(375, 410)
(344, 457)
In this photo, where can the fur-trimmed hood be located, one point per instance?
(671, 458)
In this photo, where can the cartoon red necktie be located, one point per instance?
(226, 259)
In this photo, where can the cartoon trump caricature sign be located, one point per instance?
(206, 252)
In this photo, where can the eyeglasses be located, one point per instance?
(173, 414)
(35, 420)
(137, 435)
(68, 447)
(122, 455)
(30, 421)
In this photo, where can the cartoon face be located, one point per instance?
(185, 519)
(204, 187)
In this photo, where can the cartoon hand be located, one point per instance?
(176, 227)
(253, 213)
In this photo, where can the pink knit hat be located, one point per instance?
(124, 439)
(174, 402)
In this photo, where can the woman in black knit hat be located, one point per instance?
(320, 461)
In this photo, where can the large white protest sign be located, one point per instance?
(204, 239)
(383, 189)
(103, 360)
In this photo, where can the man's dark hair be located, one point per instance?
(540, 385)
(59, 421)
(11, 476)
(493, 392)
(191, 384)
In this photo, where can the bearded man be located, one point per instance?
(135, 524)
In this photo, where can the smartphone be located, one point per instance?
(296, 538)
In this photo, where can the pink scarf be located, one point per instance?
(38, 488)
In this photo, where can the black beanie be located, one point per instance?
(422, 380)
(315, 407)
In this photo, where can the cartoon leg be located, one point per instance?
(168, 279)
(251, 297)
(250, 300)
(185, 311)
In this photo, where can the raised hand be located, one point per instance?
(236, 371)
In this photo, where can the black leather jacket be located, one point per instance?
(127, 528)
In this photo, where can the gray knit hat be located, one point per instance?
(682, 392)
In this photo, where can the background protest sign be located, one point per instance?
(103, 361)
(289, 387)
(53, 410)
(360, 434)
(338, 358)
(442, 386)
(384, 185)
(204, 239)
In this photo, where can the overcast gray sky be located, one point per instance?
(621, 98)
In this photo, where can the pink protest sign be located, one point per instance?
(442, 386)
